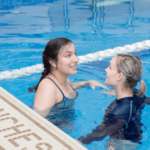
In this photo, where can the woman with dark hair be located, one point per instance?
(54, 87)
(122, 120)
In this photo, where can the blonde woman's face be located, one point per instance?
(112, 73)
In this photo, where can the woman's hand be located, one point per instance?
(94, 83)
(91, 83)
(109, 92)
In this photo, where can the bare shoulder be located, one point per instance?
(46, 90)
(47, 84)
(45, 95)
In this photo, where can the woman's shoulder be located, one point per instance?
(45, 97)
(122, 109)
(47, 85)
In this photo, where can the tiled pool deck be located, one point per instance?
(23, 129)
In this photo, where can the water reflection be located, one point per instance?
(63, 114)
(10, 4)
(96, 16)
(130, 20)
(92, 16)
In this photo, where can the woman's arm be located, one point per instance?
(109, 126)
(97, 134)
(92, 83)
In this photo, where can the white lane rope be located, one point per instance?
(139, 46)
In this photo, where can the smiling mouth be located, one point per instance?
(73, 66)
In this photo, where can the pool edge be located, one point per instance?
(36, 132)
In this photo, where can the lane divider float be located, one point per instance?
(97, 56)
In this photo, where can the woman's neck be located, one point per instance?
(61, 78)
(123, 92)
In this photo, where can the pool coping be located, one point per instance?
(21, 128)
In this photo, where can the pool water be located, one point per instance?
(26, 26)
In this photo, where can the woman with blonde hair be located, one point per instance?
(122, 120)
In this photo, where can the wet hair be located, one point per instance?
(51, 52)
(131, 67)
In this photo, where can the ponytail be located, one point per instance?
(142, 88)
(44, 74)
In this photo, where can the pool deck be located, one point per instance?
(23, 129)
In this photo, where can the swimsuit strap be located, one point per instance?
(71, 86)
(57, 86)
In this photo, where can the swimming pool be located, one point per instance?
(26, 26)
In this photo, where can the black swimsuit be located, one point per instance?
(63, 113)
(76, 93)
(122, 120)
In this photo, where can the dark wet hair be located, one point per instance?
(51, 52)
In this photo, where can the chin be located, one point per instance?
(75, 72)
(72, 73)
(105, 82)
(109, 84)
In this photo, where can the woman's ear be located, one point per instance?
(120, 77)
(52, 63)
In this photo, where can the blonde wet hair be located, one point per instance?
(131, 67)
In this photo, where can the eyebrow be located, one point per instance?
(69, 52)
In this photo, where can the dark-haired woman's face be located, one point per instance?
(67, 60)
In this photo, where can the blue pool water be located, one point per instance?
(27, 25)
